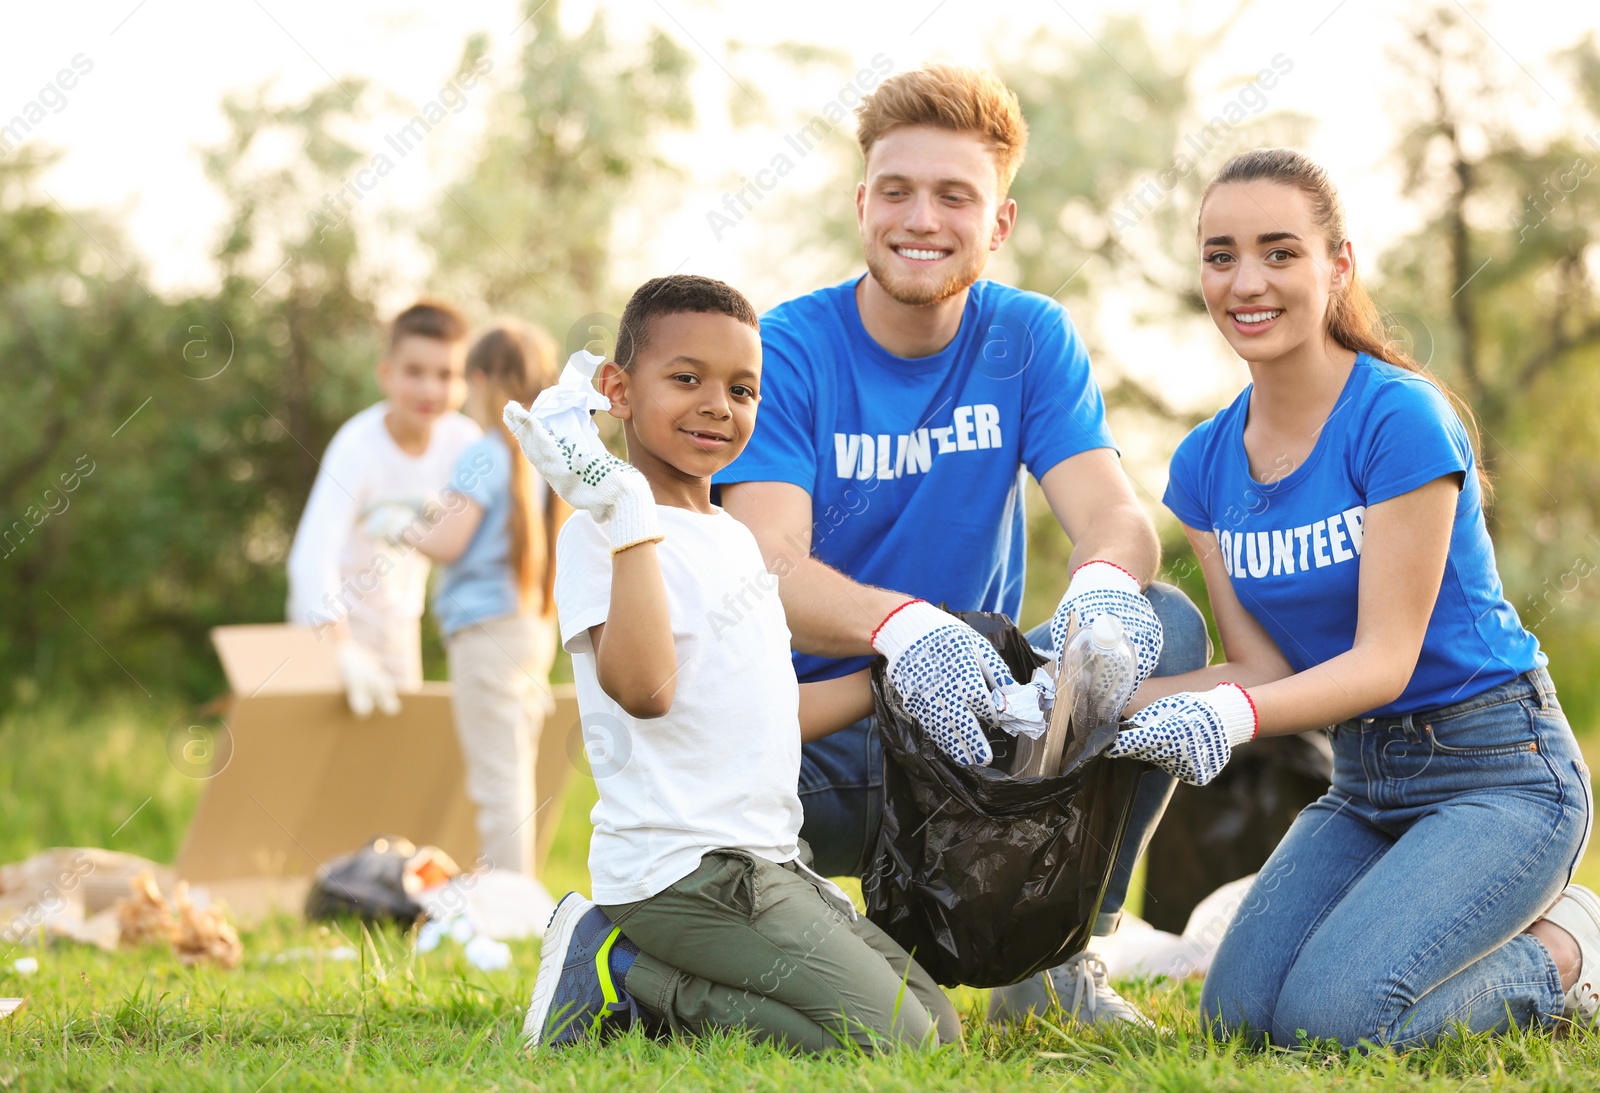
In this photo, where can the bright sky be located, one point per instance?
(131, 126)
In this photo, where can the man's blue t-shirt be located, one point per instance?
(1292, 548)
(481, 585)
(915, 466)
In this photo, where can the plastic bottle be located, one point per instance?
(1102, 664)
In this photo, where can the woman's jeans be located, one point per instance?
(841, 775)
(1393, 910)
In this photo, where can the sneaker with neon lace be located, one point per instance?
(1578, 913)
(575, 995)
(1079, 986)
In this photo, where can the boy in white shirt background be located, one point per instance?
(705, 914)
(386, 464)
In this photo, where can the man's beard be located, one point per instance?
(921, 294)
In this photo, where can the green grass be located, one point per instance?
(294, 1016)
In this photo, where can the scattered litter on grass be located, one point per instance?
(338, 954)
(204, 935)
(144, 915)
(26, 965)
(482, 951)
(8, 1006)
(68, 893)
(196, 931)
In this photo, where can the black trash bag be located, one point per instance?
(1226, 829)
(985, 878)
(375, 882)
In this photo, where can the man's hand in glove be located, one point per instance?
(953, 681)
(589, 477)
(1101, 588)
(366, 684)
(1189, 735)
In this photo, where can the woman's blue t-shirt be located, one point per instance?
(481, 585)
(914, 465)
(1292, 548)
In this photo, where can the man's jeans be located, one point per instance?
(1393, 909)
(841, 776)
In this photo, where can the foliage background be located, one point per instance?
(190, 424)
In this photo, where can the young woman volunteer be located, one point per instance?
(494, 599)
(1337, 511)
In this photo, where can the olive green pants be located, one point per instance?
(742, 942)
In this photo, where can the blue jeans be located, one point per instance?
(841, 775)
(1392, 911)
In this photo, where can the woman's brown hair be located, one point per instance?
(1354, 320)
(518, 361)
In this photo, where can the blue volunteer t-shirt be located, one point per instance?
(1292, 548)
(481, 585)
(915, 466)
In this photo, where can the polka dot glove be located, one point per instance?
(952, 680)
(1101, 588)
(589, 477)
(1189, 735)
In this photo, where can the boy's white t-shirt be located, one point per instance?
(335, 568)
(721, 768)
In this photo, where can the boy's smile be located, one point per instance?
(688, 402)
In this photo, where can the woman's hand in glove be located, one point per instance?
(1189, 735)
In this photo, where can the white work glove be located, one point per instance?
(953, 681)
(1189, 735)
(1101, 588)
(366, 684)
(388, 521)
(590, 478)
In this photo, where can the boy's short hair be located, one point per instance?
(944, 96)
(429, 317)
(673, 295)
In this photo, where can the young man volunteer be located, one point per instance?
(899, 410)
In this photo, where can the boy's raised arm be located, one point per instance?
(634, 659)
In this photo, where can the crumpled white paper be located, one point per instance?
(564, 409)
(1021, 707)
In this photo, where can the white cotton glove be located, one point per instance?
(1189, 735)
(388, 521)
(953, 681)
(590, 478)
(366, 684)
(1105, 588)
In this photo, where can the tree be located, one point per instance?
(527, 229)
(1496, 293)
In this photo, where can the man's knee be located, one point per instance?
(1185, 643)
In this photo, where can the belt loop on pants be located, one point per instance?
(1540, 678)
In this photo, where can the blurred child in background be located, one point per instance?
(494, 599)
(382, 468)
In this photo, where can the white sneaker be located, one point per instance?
(1079, 987)
(1578, 913)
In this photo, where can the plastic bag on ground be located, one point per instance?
(382, 880)
(985, 878)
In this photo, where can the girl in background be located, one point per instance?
(494, 600)
(1336, 508)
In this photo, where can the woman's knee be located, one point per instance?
(1185, 642)
(1229, 1008)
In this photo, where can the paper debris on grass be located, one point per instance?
(8, 1006)
(197, 934)
(145, 917)
(204, 935)
(26, 965)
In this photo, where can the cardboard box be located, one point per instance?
(297, 779)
